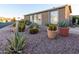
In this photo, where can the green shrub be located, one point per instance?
(33, 30)
(63, 24)
(21, 26)
(52, 27)
(16, 44)
(47, 24)
(75, 17)
(28, 22)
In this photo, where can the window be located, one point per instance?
(54, 17)
(31, 19)
(38, 19)
(35, 18)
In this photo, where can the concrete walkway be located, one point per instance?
(74, 30)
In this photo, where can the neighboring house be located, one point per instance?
(50, 16)
(4, 19)
(74, 19)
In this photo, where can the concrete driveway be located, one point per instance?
(74, 30)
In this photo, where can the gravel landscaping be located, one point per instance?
(40, 44)
(4, 35)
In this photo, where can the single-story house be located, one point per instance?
(53, 15)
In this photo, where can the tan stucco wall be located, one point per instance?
(26, 17)
(67, 12)
(45, 16)
(61, 14)
(64, 13)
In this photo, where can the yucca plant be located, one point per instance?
(16, 44)
(21, 26)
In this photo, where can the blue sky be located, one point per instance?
(15, 10)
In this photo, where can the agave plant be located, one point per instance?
(16, 44)
(63, 24)
(52, 27)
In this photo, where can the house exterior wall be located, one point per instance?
(38, 18)
(63, 14)
(45, 17)
(27, 17)
(67, 12)
(54, 17)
